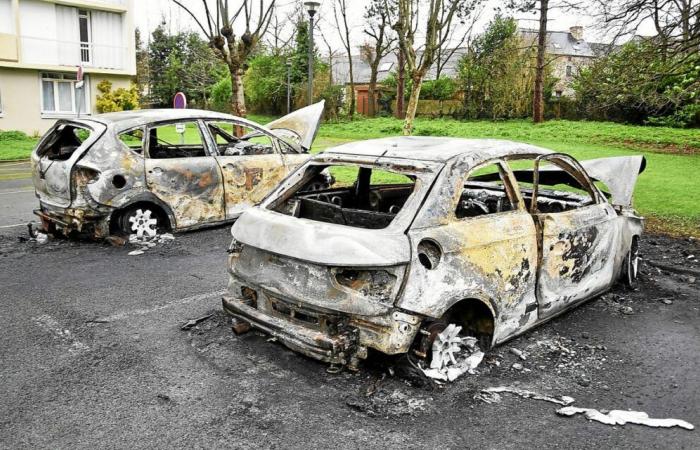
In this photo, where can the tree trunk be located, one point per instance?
(412, 104)
(237, 93)
(351, 112)
(372, 90)
(538, 95)
(400, 83)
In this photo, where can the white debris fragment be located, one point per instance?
(136, 252)
(518, 353)
(563, 400)
(453, 356)
(620, 417)
(42, 238)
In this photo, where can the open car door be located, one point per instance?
(300, 126)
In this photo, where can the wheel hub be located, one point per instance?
(142, 224)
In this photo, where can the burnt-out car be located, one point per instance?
(135, 172)
(420, 232)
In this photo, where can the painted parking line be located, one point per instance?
(16, 192)
(146, 311)
(24, 224)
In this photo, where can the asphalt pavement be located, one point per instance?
(93, 355)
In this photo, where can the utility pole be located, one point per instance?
(311, 8)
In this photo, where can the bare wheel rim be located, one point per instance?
(633, 263)
(141, 222)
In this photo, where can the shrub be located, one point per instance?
(120, 99)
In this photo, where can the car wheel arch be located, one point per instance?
(145, 198)
(476, 309)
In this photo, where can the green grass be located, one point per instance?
(667, 192)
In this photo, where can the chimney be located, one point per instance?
(576, 32)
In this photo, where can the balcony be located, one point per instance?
(52, 52)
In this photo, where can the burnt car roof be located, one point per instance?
(135, 118)
(438, 149)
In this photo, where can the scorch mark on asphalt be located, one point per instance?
(51, 325)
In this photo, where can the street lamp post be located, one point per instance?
(289, 86)
(312, 8)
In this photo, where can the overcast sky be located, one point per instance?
(150, 13)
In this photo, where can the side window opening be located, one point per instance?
(133, 139)
(557, 189)
(63, 141)
(251, 142)
(357, 196)
(176, 140)
(484, 192)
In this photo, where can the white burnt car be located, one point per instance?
(140, 171)
(421, 232)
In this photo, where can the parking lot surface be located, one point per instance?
(93, 355)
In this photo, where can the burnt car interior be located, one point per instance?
(64, 140)
(228, 143)
(362, 197)
(162, 141)
(484, 193)
(558, 188)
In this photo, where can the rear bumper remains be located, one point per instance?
(340, 348)
(67, 220)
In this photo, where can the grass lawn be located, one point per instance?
(666, 192)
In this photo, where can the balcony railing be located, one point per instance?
(35, 50)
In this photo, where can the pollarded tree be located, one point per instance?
(379, 15)
(219, 24)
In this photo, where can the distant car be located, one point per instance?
(136, 172)
(419, 233)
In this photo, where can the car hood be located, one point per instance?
(302, 124)
(321, 243)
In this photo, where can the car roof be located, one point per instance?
(129, 119)
(440, 149)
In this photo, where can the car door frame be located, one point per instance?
(575, 262)
(209, 204)
(256, 174)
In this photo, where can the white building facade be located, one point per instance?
(42, 44)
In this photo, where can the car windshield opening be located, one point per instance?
(63, 141)
(346, 194)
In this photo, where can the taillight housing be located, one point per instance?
(377, 284)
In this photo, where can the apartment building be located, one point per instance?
(42, 45)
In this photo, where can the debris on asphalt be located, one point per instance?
(193, 322)
(620, 417)
(453, 356)
(518, 353)
(147, 242)
(116, 241)
(487, 393)
(388, 403)
(42, 238)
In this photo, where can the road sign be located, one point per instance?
(179, 101)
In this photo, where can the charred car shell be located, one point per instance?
(107, 173)
(497, 236)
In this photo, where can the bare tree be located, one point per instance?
(277, 42)
(340, 11)
(439, 13)
(453, 37)
(379, 16)
(218, 22)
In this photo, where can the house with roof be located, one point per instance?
(43, 43)
(567, 53)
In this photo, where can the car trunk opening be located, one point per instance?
(55, 156)
(357, 196)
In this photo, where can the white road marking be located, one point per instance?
(50, 324)
(16, 192)
(16, 225)
(146, 311)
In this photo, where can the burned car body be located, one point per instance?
(495, 236)
(138, 171)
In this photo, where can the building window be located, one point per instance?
(84, 26)
(569, 70)
(60, 96)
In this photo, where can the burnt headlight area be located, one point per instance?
(377, 284)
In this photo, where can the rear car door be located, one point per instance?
(485, 247)
(251, 164)
(577, 233)
(182, 172)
